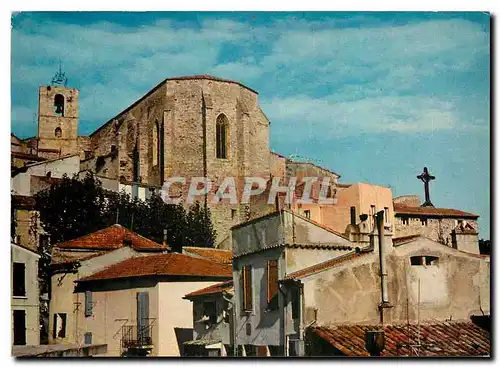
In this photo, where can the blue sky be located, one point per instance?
(372, 96)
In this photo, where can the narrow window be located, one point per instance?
(155, 143)
(423, 221)
(405, 221)
(386, 216)
(295, 302)
(59, 325)
(209, 310)
(59, 105)
(87, 338)
(88, 303)
(58, 132)
(246, 288)
(272, 284)
(233, 213)
(307, 214)
(372, 215)
(221, 127)
(19, 280)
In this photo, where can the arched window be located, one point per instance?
(221, 131)
(59, 105)
(156, 142)
(58, 132)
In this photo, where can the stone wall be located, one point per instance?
(437, 229)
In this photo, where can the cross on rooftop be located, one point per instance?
(425, 177)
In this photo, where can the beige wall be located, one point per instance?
(300, 258)
(31, 302)
(64, 300)
(361, 196)
(174, 312)
(350, 293)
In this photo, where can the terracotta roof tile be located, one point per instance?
(163, 265)
(437, 339)
(400, 209)
(324, 265)
(217, 255)
(112, 238)
(213, 289)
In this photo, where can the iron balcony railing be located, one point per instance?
(134, 337)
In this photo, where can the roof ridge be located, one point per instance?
(205, 248)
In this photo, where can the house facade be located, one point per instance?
(25, 301)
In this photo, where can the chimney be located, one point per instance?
(383, 267)
(375, 341)
(353, 215)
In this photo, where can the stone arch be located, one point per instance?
(221, 136)
(59, 105)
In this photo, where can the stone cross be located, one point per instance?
(425, 177)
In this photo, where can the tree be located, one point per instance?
(484, 247)
(200, 231)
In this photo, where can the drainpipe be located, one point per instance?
(383, 268)
(232, 332)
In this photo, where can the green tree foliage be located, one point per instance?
(76, 207)
(485, 247)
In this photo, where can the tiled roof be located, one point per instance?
(217, 255)
(436, 339)
(163, 265)
(311, 246)
(65, 257)
(111, 238)
(213, 289)
(324, 265)
(431, 211)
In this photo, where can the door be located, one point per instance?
(143, 332)
(19, 327)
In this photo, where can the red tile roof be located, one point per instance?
(324, 265)
(431, 211)
(213, 289)
(437, 339)
(217, 255)
(163, 265)
(111, 238)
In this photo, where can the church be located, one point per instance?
(205, 126)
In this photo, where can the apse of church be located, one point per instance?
(187, 127)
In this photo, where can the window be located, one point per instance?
(59, 105)
(423, 221)
(87, 338)
(88, 303)
(307, 214)
(210, 310)
(372, 215)
(58, 132)
(295, 302)
(246, 288)
(19, 280)
(233, 213)
(424, 260)
(59, 325)
(221, 127)
(386, 216)
(272, 284)
(19, 327)
(405, 221)
(156, 142)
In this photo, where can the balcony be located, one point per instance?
(137, 340)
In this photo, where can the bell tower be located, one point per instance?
(57, 118)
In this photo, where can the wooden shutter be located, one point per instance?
(247, 288)
(88, 303)
(272, 279)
